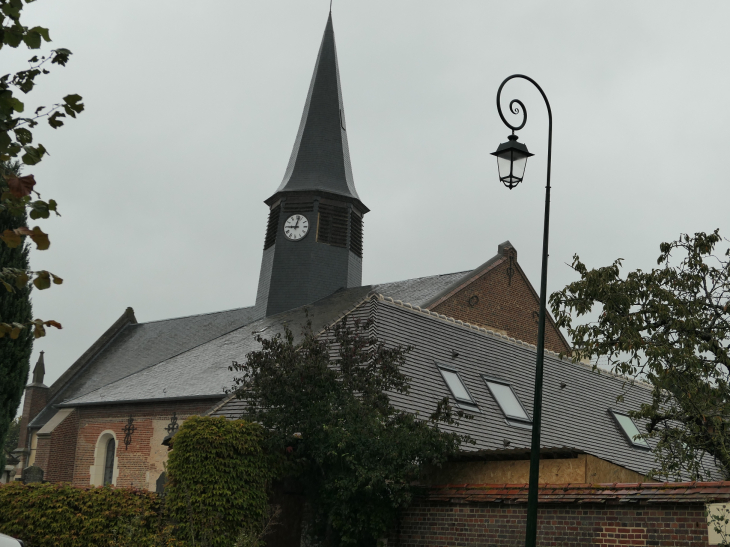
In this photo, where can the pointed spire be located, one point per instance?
(320, 160)
(39, 371)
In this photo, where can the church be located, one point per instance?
(108, 418)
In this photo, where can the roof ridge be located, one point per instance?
(419, 278)
(195, 315)
(510, 339)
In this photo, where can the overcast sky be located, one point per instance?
(192, 109)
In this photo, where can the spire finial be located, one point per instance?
(40, 370)
(330, 7)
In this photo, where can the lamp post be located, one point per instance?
(511, 162)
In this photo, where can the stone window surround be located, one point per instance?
(96, 471)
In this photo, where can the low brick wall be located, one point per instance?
(645, 514)
(499, 524)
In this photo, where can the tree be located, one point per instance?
(16, 140)
(325, 403)
(11, 439)
(15, 307)
(671, 327)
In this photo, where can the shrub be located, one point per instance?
(61, 515)
(218, 475)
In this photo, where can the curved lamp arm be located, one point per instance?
(514, 106)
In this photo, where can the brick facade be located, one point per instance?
(500, 297)
(67, 454)
(62, 450)
(561, 524)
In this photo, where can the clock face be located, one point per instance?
(296, 227)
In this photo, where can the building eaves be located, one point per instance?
(611, 493)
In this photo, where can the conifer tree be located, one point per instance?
(15, 307)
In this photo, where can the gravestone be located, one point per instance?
(161, 484)
(32, 474)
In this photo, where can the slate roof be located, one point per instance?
(203, 370)
(615, 493)
(420, 290)
(137, 346)
(574, 417)
(320, 159)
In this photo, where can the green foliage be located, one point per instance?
(15, 307)
(60, 515)
(325, 402)
(217, 477)
(718, 518)
(17, 141)
(671, 327)
(16, 137)
(11, 439)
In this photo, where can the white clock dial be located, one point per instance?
(296, 227)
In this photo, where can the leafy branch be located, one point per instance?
(671, 327)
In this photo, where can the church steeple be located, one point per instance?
(313, 243)
(39, 371)
(320, 159)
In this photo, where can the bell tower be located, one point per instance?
(313, 244)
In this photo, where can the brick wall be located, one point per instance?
(67, 454)
(62, 448)
(504, 302)
(430, 523)
(140, 463)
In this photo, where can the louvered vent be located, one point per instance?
(272, 227)
(356, 233)
(293, 205)
(332, 225)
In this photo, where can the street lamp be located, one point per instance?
(511, 161)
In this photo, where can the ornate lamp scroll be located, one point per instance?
(128, 430)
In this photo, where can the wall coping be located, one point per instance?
(609, 493)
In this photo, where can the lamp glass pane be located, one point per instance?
(507, 400)
(504, 163)
(518, 165)
(456, 387)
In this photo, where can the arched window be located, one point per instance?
(105, 468)
(109, 461)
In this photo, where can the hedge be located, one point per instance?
(217, 493)
(218, 476)
(61, 515)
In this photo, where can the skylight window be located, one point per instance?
(457, 387)
(507, 400)
(629, 429)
